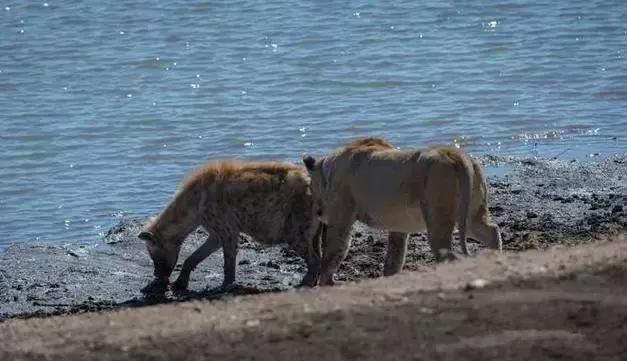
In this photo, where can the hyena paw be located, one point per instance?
(227, 287)
(180, 284)
(155, 287)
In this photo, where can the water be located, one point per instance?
(104, 106)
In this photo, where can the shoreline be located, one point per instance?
(537, 203)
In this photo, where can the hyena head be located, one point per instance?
(163, 252)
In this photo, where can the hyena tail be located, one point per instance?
(465, 188)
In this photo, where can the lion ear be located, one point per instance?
(309, 161)
(146, 236)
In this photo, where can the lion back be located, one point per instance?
(370, 144)
(341, 165)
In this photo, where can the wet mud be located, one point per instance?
(537, 204)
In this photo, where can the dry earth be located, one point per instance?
(562, 303)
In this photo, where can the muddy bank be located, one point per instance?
(566, 304)
(537, 203)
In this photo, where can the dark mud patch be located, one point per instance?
(40, 280)
(537, 203)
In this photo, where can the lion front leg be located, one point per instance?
(314, 257)
(335, 251)
(395, 256)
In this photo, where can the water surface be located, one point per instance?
(106, 105)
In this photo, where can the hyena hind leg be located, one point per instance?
(210, 245)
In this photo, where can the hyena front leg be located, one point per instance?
(229, 247)
(210, 245)
(395, 255)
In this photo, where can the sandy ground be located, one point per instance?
(537, 203)
(564, 303)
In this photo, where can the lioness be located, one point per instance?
(270, 202)
(403, 191)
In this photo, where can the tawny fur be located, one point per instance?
(403, 191)
(270, 202)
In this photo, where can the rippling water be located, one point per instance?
(104, 106)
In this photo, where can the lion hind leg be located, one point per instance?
(440, 206)
(440, 242)
(395, 255)
(440, 225)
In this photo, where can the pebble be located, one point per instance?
(252, 323)
(427, 310)
(272, 264)
(476, 283)
(531, 214)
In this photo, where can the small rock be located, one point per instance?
(476, 283)
(426, 310)
(358, 234)
(496, 210)
(252, 323)
(531, 214)
(272, 264)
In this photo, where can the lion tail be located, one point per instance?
(465, 187)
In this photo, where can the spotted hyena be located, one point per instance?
(269, 201)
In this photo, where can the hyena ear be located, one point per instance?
(146, 236)
(309, 161)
